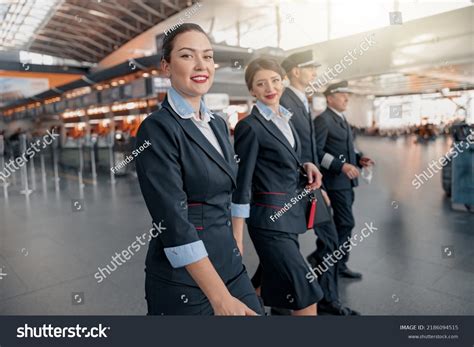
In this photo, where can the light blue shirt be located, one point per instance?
(301, 96)
(184, 109)
(282, 122)
(186, 254)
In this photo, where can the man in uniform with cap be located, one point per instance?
(339, 165)
(301, 70)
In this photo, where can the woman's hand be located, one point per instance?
(230, 306)
(222, 302)
(314, 176)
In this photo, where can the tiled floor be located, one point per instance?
(50, 251)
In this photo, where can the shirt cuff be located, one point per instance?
(327, 161)
(240, 210)
(186, 254)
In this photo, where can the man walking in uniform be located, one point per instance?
(339, 161)
(301, 69)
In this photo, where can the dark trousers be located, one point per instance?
(341, 202)
(327, 242)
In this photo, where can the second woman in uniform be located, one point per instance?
(272, 189)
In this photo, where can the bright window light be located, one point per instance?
(21, 20)
(305, 22)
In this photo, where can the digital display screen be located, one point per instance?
(111, 95)
(136, 89)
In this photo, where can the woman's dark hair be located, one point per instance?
(266, 63)
(170, 36)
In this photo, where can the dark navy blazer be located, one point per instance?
(187, 185)
(335, 147)
(303, 124)
(270, 175)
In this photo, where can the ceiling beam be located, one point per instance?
(117, 6)
(108, 15)
(67, 35)
(150, 9)
(62, 52)
(64, 43)
(86, 22)
(85, 30)
(173, 6)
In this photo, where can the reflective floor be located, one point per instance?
(419, 261)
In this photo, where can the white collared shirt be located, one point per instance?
(185, 111)
(301, 96)
(281, 121)
(340, 114)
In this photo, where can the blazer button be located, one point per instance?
(228, 223)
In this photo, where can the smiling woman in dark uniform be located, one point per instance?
(270, 192)
(187, 176)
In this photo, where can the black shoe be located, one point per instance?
(335, 308)
(277, 311)
(347, 273)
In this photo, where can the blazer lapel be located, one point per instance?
(227, 149)
(297, 101)
(195, 134)
(349, 139)
(339, 119)
(297, 148)
(273, 129)
(224, 144)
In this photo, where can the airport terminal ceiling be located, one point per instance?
(80, 30)
(83, 33)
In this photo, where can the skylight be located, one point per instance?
(20, 19)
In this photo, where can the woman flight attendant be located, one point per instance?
(187, 176)
(271, 192)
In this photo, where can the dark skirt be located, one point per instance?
(285, 281)
(168, 298)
